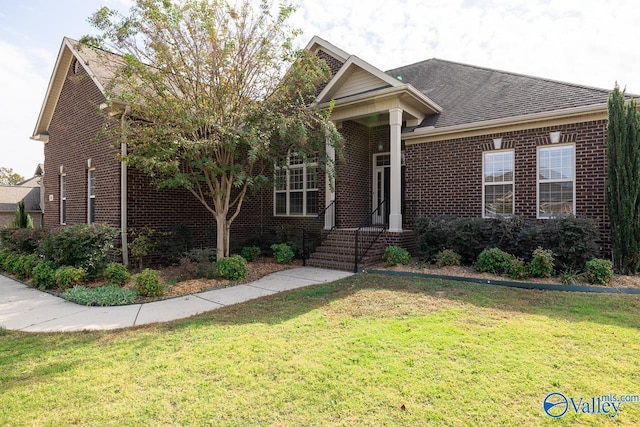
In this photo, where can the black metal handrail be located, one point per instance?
(368, 233)
(314, 233)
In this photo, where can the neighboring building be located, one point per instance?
(27, 191)
(431, 138)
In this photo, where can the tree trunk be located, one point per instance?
(221, 237)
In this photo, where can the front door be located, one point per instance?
(382, 188)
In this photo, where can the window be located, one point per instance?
(63, 199)
(556, 181)
(91, 196)
(497, 198)
(296, 187)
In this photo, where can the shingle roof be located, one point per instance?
(469, 94)
(11, 195)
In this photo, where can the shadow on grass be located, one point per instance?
(606, 309)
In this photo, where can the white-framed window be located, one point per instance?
(63, 198)
(91, 196)
(497, 183)
(556, 181)
(296, 187)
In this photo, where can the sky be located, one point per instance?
(587, 42)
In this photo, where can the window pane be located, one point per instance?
(63, 186)
(295, 159)
(295, 202)
(498, 167)
(63, 211)
(281, 203)
(312, 177)
(498, 199)
(92, 210)
(92, 183)
(312, 202)
(281, 179)
(556, 163)
(556, 198)
(296, 179)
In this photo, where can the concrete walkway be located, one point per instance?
(26, 309)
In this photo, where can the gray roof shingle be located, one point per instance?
(469, 94)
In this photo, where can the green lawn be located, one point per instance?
(354, 352)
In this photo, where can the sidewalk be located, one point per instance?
(27, 309)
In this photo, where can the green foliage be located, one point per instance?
(623, 181)
(67, 276)
(208, 125)
(570, 276)
(101, 296)
(394, 255)
(232, 268)
(22, 219)
(572, 240)
(598, 271)
(83, 246)
(496, 261)
(205, 255)
(9, 177)
(282, 253)
(141, 246)
(44, 275)
(542, 263)
(447, 257)
(22, 240)
(250, 253)
(148, 283)
(117, 274)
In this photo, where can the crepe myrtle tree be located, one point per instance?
(216, 97)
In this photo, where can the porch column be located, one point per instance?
(330, 183)
(395, 208)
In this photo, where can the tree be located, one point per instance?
(623, 183)
(209, 105)
(8, 177)
(22, 219)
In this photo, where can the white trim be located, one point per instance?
(91, 171)
(554, 147)
(319, 43)
(287, 191)
(512, 182)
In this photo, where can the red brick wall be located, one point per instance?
(74, 126)
(445, 177)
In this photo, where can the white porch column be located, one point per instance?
(395, 125)
(330, 188)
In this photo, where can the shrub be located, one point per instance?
(206, 255)
(447, 257)
(570, 277)
(44, 275)
(69, 276)
(282, 253)
(141, 246)
(394, 255)
(116, 274)
(4, 253)
(102, 296)
(10, 261)
(29, 263)
(22, 240)
(207, 270)
(250, 253)
(82, 246)
(148, 283)
(517, 269)
(598, 271)
(494, 261)
(232, 268)
(542, 263)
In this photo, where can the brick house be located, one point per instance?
(431, 138)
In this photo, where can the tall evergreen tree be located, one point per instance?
(22, 219)
(623, 185)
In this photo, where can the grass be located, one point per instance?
(354, 352)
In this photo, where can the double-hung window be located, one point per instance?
(296, 187)
(91, 196)
(556, 189)
(497, 188)
(63, 199)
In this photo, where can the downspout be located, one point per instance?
(123, 189)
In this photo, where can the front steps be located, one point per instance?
(337, 251)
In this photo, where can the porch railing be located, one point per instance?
(317, 230)
(368, 233)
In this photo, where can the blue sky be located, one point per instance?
(586, 42)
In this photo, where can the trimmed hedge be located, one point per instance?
(572, 240)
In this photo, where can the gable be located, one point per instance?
(358, 81)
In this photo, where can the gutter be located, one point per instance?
(123, 190)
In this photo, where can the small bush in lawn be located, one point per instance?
(598, 271)
(232, 268)
(102, 296)
(542, 263)
(394, 255)
(447, 258)
(148, 283)
(494, 261)
(44, 275)
(570, 276)
(69, 276)
(282, 253)
(117, 274)
(250, 253)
